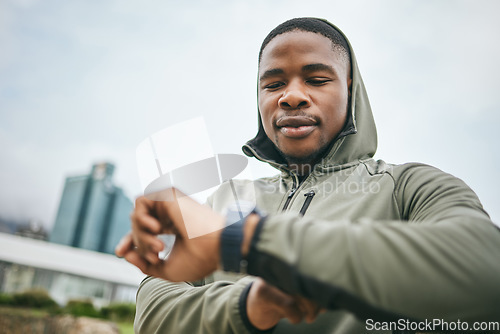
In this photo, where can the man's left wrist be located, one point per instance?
(251, 222)
(235, 240)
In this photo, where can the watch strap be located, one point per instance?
(230, 248)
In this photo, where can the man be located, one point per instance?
(360, 239)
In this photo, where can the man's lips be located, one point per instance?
(295, 121)
(296, 126)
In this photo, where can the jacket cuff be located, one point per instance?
(230, 245)
(242, 307)
(253, 253)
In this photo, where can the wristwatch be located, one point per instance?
(231, 240)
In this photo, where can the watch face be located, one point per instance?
(168, 240)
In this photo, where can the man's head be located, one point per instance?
(315, 25)
(304, 88)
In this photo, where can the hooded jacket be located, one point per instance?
(369, 241)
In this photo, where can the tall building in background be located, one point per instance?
(93, 213)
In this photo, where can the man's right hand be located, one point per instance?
(267, 305)
(191, 258)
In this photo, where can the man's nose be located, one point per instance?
(294, 97)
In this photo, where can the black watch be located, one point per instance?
(230, 244)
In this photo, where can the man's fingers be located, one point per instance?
(138, 261)
(124, 245)
(295, 308)
(143, 205)
(308, 308)
(146, 222)
(158, 269)
(153, 269)
(127, 245)
(285, 304)
(290, 309)
(146, 242)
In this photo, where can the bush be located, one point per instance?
(5, 299)
(34, 298)
(119, 312)
(82, 308)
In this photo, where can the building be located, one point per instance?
(93, 213)
(65, 272)
(34, 230)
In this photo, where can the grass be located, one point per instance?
(21, 311)
(126, 327)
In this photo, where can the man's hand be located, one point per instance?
(190, 258)
(266, 305)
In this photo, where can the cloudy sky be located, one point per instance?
(86, 81)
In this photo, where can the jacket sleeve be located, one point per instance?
(167, 307)
(441, 260)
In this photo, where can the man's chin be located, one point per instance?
(301, 159)
(300, 152)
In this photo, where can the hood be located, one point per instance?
(357, 140)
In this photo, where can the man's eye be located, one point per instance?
(318, 82)
(274, 85)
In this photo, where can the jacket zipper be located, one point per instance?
(289, 198)
(309, 196)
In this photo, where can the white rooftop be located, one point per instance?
(76, 261)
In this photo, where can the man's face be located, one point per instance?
(303, 94)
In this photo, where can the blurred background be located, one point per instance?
(83, 83)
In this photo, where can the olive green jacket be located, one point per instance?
(374, 241)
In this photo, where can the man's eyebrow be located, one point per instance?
(318, 67)
(306, 68)
(270, 73)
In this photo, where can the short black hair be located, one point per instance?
(315, 25)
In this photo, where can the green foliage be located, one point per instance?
(39, 299)
(82, 308)
(126, 327)
(5, 299)
(122, 312)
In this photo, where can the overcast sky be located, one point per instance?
(86, 81)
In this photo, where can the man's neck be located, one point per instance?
(303, 170)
